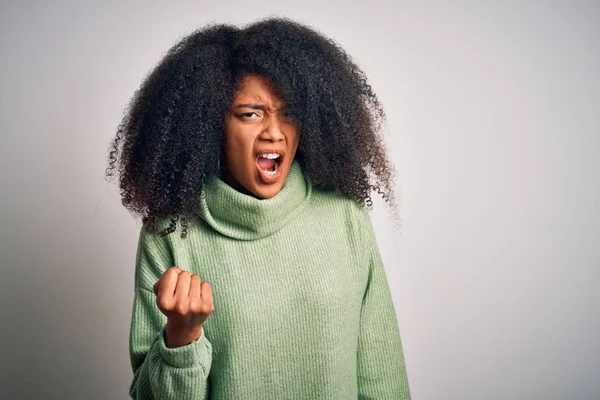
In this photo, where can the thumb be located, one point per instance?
(156, 286)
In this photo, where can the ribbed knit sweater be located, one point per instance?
(303, 309)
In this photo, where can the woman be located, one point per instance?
(264, 143)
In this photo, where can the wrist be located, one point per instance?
(177, 337)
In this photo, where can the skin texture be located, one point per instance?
(171, 139)
(257, 123)
(186, 301)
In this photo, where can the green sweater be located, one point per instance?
(303, 308)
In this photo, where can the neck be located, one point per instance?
(229, 179)
(236, 214)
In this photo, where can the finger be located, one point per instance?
(168, 284)
(182, 289)
(195, 286)
(206, 292)
(155, 287)
(177, 269)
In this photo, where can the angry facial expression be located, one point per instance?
(260, 140)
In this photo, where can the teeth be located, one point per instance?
(270, 156)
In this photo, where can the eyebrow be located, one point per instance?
(251, 105)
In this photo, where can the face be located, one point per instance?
(260, 140)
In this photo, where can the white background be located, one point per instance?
(493, 126)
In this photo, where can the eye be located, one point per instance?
(249, 115)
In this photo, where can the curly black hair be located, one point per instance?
(170, 140)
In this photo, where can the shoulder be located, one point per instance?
(148, 238)
(354, 217)
(153, 247)
(337, 202)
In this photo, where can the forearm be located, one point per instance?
(160, 371)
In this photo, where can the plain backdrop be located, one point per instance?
(493, 126)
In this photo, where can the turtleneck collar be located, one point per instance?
(244, 217)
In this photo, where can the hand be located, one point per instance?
(186, 301)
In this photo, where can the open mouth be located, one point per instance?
(268, 165)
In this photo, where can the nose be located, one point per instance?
(273, 131)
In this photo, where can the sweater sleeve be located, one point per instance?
(160, 372)
(381, 368)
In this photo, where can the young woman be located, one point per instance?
(264, 143)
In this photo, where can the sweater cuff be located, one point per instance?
(199, 352)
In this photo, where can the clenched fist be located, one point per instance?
(186, 301)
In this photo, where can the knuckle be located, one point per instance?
(195, 306)
(163, 303)
(180, 308)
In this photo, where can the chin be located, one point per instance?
(267, 192)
